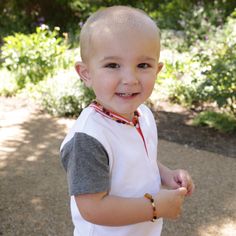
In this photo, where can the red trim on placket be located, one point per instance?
(141, 133)
(116, 117)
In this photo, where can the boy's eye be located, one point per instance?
(143, 65)
(112, 65)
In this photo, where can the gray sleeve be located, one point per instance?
(87, 165)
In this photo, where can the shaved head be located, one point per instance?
(116, 19)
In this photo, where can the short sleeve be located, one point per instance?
(87, 165)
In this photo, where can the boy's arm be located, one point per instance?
(103, 209)
(165, 174)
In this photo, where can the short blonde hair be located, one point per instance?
(109, 17)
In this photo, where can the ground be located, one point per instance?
(174, 124)
(33, 191)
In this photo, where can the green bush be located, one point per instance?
(35, 56)
(220, 121)
(8, 86)
(200, 23)
(221, 75)
(178, 78)
(207, 73)
(62, 95)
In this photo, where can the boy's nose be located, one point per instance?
(130, 77)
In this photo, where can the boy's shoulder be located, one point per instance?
(87, 117)
(145, 109)
(84, 120)
(85, 123)
(145, 112)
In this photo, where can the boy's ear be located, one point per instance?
(82, 70)
(159, 67)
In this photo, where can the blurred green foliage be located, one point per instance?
(35, 56)
(221, 75)
(206, 72)
(8, 84)
(64, 94)
(23, 16)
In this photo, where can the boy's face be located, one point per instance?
(122, 69)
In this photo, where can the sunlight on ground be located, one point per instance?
(32, 158)
(9, 133)
(67, 122)
(225, 229)
(37, 203)
(3, 164)
(11, 127)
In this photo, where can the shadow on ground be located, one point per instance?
(33, 192)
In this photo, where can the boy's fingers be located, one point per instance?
(186, 181)
(191, 189)
(182, 191)
(190, 185)
(176, 185)
(183, 179)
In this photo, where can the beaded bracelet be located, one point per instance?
(149, 196)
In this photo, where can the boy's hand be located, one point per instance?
(183, 179)
(179, 178)
(169, 202)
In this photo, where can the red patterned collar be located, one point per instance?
(118, 118)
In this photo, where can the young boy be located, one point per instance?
(110, 154)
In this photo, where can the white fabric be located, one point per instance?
(133, 170)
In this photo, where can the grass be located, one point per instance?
(222, 122)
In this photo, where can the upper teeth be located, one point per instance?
(125, 94)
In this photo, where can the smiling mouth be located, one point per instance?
(127, 94)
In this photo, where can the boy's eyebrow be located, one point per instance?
(148, 58)
(110, 58)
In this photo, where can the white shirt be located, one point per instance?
(132, 164)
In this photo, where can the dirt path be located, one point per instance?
(33, 192)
